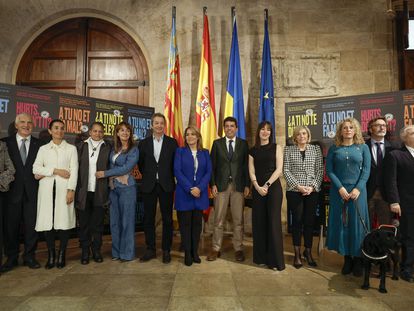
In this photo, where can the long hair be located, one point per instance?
(357, 139)
(261, 125)
(198, 135)
(117, 141)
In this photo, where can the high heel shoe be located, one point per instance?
(307, 254)
(297, 261)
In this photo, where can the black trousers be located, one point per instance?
(25, 209)
(150, 207)
(407, 239)
(190, 223)
(303, 216)
(267, 227)
(91, 224)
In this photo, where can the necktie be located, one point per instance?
(23, 151)
(230, 149)
(379, 154)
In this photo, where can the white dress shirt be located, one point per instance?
(19, 140)
(157, 148)
(233, 143)
(93, 147)
(374, 148)
(411, 149)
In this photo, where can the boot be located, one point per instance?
(85, 256)
(347, 268)
(61, 260)
(357, 267)
(51, 257)
(188, 260)
(307, 254)
(297, 261)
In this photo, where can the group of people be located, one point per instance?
(43, 185)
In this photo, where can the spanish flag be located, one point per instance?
(234, 96)
(205, 107)
(172, 105)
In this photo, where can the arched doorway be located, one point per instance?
(87, 57)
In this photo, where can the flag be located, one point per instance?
(234, 106)
(172, 105)
(266, 110)
(205, 107)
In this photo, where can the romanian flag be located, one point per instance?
(234, 96)
(267, 110)
(172, 105)
(205, 107)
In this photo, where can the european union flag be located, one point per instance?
(234, 96)
(266, 110)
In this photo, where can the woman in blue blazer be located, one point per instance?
(192, 169)
(123, 194)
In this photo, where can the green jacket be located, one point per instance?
(223, 167)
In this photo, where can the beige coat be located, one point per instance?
(49, 157)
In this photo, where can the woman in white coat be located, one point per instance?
(56, 166)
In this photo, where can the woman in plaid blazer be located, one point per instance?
(303, 171)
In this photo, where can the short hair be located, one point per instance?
(198, 135)
(97, 123)
(157, 115)
(296, 131)
(261, 125)
(55, 121)
(403, 132)
(372, 121)
(21, 115)
(117, 140)
(229, 119)
(358, 138)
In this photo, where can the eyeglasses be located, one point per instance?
(378, 125)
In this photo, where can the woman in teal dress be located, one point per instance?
(348, 166)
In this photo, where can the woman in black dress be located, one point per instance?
(265, 168)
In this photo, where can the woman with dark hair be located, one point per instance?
(265, 168)
(348, 166)
(56, 167)
(192, 169)
(123, 194)
(303, 171)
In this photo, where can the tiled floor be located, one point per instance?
(220, 285)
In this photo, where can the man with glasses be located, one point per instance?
(379, 211)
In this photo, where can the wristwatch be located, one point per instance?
(268, 184)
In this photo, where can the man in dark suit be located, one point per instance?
(22, 197)
(229, 183)
(399, 172)
(156, 164)
(379, 147)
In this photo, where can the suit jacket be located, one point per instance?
(184, 173)
(375, 170)
(6, 168)
(399, 172)
(24, 178)
(149, 167)
(102, 164)
(237, 166)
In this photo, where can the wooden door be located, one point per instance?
(88, 57)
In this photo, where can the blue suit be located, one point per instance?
(123, 205)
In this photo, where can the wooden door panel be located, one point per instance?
(53, 70)
(99, 41)
(112, 69)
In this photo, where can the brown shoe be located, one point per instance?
(213, 255)
(239, 255)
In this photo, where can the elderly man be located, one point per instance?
(22, 196)
(399, 172)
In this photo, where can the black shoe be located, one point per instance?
(85, 256)
(357, 267)
(407, 277)
(196, 258)
(297, 260)
(188, 259)
(9, 265)
(347, 268)
(31, 263)
(51, 257)
(148, 255)
(307, 254)
(166, 257)
(97, 256)
(61, 260)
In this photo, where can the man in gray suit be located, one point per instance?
(229, 183)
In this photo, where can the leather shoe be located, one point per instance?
(239, 256)
(85, 257)
(407, 277)
(196, 258)
(166, 257)
(148, 255)
(31, 263)
(97, 256)
(213, 255)
(9, 265)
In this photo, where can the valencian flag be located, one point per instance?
(205, 107)
(234, 96)
(172, 106)
(266, 111)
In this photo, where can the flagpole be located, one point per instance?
(266, 14)
(233, 14)
(173, 11)
(204, 10)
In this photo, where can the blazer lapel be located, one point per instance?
(15, 149)
(32, 147)
(373, 161)
(224, 148)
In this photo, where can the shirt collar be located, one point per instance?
(161, 138)
(373, 141)
(233, 139)
(19, 138)
(411, 149)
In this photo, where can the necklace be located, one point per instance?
(94, 148)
